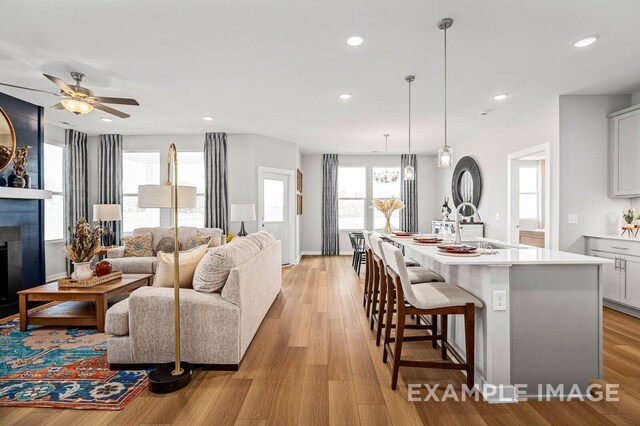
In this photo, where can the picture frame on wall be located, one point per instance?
(299, 181)
(299, 205)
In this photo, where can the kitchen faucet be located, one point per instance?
(458, 239)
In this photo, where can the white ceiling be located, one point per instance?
(277, 67)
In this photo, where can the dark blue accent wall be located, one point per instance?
(28, 121)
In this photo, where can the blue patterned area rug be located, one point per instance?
(62, 367)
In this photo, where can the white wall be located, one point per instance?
(55, 263)
(490, 150)
(311, 219)
(584, 168)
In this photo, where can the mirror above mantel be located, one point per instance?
(7, 140)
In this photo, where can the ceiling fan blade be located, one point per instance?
(61, 84)
(108, 100)
(109, 110)
(58, 106)
(28, 88)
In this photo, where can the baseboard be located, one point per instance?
(207, 367)
(319, 253)
(621, 308)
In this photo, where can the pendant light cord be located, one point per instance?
(409, 117)
(445, 86)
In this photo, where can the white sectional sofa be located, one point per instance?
(216, 328)
(148, 265)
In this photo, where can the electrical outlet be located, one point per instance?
(497, 216)
(572, 218)
(499, 300)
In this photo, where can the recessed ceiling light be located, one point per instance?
(484, 113)
(106, 119)
(207, 118)
(345, 96)
(501, 96)
(355, 40)
(587, 41)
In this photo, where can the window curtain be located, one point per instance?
(110, 177)
(330, 235)
(409, 215)
(216, 210)
(75, 182)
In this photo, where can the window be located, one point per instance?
(273, 200)
(138, 168)
(529, 193)
(385, 191)
(54, 182)
(191, 173)
(352, 188)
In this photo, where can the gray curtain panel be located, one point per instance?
(75, 182)
(409, 215)
(216, 211)
(110, 177)
(330, 235)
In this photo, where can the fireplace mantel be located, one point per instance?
(24, 194)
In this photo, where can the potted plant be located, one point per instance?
(20, 166)
(387, 207)
(85, 243)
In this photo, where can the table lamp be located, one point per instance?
(242, 213)
(107, 213)
(173, 376)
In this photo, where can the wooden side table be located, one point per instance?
(77, 309)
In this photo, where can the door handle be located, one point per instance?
(623, 264)
(617, 263)
(619, 248)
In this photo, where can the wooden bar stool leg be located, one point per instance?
(382, 302)
(374, 281)
(374, 300)
(397, 353)
(367, 279)
(444, 326)
(391, 300)
(434, 332)
(470, 342)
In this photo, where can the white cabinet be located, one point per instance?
(621, 281)
(624, 153)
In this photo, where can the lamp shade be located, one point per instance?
(242, 212)
(159, 196)
(106, 212)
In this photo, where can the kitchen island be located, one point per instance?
(542, 320)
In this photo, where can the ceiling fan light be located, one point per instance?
(76, 106)
(445, 157)
(409, 172)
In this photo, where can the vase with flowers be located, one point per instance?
(387, 207)
(85, 243)
(20, 166)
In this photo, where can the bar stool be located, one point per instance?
(427, 299)
(359, 255)
(379, 290)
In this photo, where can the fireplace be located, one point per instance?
(10, 268)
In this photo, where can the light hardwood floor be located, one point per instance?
(314, 361)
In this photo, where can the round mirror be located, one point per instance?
(7, 140)
(466, 185)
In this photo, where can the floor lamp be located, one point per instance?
(173, 376)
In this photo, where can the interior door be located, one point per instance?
(631, 281)
(274, 211)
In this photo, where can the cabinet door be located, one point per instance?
(610, 277)
(631, 282)
(470, 231)
(628, 153)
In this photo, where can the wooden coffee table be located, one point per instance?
(81, 307)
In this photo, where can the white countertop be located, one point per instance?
(614, 237)
(523, 255)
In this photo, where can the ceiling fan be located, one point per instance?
(80, 100)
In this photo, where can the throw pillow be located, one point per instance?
(138, 245)
(166, 245)
(187, 261)
(198, 239)
(212, 272)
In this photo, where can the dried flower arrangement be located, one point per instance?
(387, 207)
(20, 161)
(85, 241)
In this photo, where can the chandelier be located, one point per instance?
(386, 176)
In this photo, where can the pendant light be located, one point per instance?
(409, 172)
(386, 176)
(445, 154)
